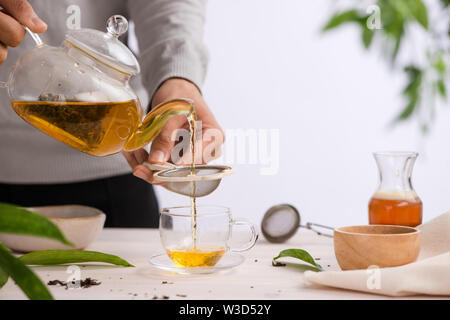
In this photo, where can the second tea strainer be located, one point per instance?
(282, 221)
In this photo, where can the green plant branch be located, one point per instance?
(396, 16)
(3, 277)
(18, 220)
(14, 219)
(24, 277)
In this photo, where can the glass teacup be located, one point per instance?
(204, 245)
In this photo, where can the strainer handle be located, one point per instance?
(159, 167)
(311, 226)
(253, 231)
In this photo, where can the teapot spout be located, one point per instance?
(155, 120)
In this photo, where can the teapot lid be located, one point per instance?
(106, 47)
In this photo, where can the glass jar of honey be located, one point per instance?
(395, 201)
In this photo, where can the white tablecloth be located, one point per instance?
(254, 279)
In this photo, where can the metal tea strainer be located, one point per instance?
(282, 221)
(206, 178)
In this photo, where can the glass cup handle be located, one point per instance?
(253, 231)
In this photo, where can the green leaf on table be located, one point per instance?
(55, 257)
(299, 254)
(24, 277)
(340, 18)
(18, 220)
(3, 277)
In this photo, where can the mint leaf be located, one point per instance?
(299, 254)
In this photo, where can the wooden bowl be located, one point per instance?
(358, 247)
(80, 225)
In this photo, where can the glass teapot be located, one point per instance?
(79, 93)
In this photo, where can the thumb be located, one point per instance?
(23, 12)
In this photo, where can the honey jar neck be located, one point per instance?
(395, 170)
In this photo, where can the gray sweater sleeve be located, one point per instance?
(170, 39)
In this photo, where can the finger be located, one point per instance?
(131, 158)
(145, 174)
(3, 53)
(11, 32)
(23, 12)
(211, 150)
(141, 155)
(163, 143)
(212, 142)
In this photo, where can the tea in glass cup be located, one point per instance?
(212, 232)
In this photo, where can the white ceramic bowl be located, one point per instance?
(80, 225)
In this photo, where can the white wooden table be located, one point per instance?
(256, 278)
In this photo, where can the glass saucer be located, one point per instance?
(227, 262)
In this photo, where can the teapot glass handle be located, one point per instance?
(155, 120)
(35, 37)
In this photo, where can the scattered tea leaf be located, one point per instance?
(18, 220)
(24, 277)
(54, 257)
(86, 283)
(278, 264)
(299, 254)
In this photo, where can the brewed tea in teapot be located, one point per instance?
(79, 93)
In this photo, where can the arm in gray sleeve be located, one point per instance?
(170, 38)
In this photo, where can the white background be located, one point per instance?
(331, 100)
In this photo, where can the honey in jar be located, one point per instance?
(395, 202)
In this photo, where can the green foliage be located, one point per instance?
(396, 16)
(445, 3)
(411, 91)
(3, 277)
(55, 257)
(18, 220)
(339, 19)
(30, 284)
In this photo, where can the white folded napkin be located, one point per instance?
(429, 275)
